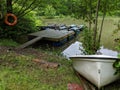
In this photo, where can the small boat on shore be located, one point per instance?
(98, 69)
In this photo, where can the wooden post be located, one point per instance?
(30, 42)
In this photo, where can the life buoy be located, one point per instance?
(14, 19)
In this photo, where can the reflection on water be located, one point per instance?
(77, 49)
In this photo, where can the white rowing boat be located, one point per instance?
(98, 69)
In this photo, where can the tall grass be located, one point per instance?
(108, 36)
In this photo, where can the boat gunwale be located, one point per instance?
(98, 58)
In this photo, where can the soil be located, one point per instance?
(26, 51)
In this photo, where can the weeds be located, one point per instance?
(8, 42)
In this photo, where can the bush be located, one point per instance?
(116, 13)
(49, 12)
(116, 65)
(25, 25)
(88, 41)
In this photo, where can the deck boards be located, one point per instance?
(51, 35)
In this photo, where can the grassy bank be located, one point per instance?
(20, 72)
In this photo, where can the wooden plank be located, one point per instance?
(30, 42)
(53, 35)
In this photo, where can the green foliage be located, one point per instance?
(34, 18)
(88, 41)
(23, 7)
(116, 13)
(116, 65)
(24, 26)
(49, 11)
(8, 42)
(116, 31)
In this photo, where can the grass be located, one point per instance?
(20, 72)
(8, 42)
(107, 35)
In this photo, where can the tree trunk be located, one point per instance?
(101, 28)
(95, 27)
(9, 6)
(1, 10)
(89, 24)
(0, 6)
(90, 13)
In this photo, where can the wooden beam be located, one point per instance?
(30, 42)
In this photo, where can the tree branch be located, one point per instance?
(23, 5)
(22, 12)
(9, 6)
(26, 12)
(95, 27)
(104, 14)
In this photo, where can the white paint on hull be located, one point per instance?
(98, 70)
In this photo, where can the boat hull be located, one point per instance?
(97, 69)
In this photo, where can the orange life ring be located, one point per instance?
(14, 19)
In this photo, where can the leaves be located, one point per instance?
(116, 65)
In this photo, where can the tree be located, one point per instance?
(89, 11)
(22, 7)
(25, 24)
(49, 11)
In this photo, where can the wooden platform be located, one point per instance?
(52, 35)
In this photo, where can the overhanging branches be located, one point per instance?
(25, 6)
